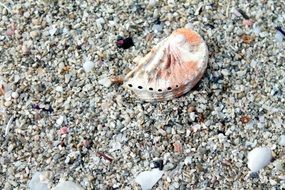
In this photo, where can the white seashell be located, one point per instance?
(88, 66)
(37, 182)
(67, 185)
(259, 158)
(171, 69)
(148, 179)
(282, 140)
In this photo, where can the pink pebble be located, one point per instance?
(247, 22)
(63, 130)
(10, 32)
(86, 143)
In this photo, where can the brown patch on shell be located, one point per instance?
(190, 35)
(117, 80)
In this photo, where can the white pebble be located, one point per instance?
(60, 120)
(171, 2)
(192, 116)
(259, 158)
(15, 95)
(188, 160)
(52, 30)
(16, 78)
(256, 29)
(148, 179)
(157, 28)
(99, 23)
(105, 81)
(34, 34)
(7, 103)
(152, 2)
(282, 140)
(279, 36)
(67, 185)
(59, 89)
(88, 66)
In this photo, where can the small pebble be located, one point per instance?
(158, 164)
(282, 140)
(10, 32)
(25, 49)
(7, 103)
(279, 36)
(247, 22)
(60, 120)
(64, 130)
(15, 95)
(152, 2)
(105, 81)
(157, 28)
(88, 66)
(34, 34)
(125, 43)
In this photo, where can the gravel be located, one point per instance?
(110, 136)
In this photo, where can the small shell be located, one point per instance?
(259, 158)
(171, 69)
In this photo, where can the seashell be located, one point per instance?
(259, 158)
(171, 69)
(148, 179)
(67, 185)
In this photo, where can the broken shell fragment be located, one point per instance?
(259, 158)
(171, 69)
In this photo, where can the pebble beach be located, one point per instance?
(61, 116)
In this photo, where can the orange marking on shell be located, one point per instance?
(191, 36)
